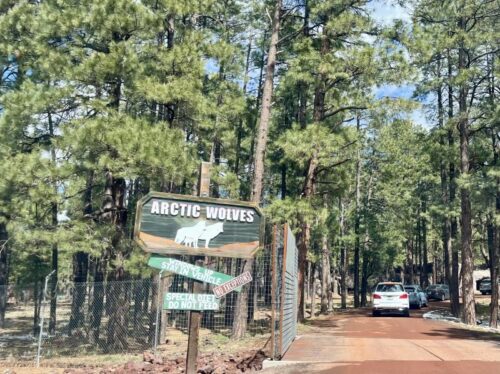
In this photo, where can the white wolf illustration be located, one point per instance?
(189, 236)
(211, 232)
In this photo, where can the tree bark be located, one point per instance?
(241, 312)
(96, 302)
(425, 259)
(325, 273)
(494, 242)
(452, 242)
(445, 199)
(310, 182)
(239, 130)
(357, 220)
(81, 266)
(265, 114)
(313, 290)
(4, 273)
(241, 315)
(366, 245)
(55, 250)
(343, 258)
(469, 311)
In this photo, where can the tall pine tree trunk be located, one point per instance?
(452, 242)
(310, 181)
(81, 266)
(265, 114)
(241, 313)
(325, 273)
(4, 237)
(469, 311)
(357, 220)
(55, 250)
(494, 241)
(96, 302)
(344, 261)
(366, 246)
(425, 259)
(445, 199)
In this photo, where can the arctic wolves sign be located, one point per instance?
(180, 224)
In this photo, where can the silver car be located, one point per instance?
(390, 297)
(418, 298)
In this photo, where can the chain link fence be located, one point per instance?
(97, 318)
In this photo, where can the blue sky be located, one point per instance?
(386, 12)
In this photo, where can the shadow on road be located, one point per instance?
(384, 367)
(460, 333)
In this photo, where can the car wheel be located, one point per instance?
(407, 313)
(483, 293)
(375, 313)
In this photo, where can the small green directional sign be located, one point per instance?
(189, 301)
(189, 270)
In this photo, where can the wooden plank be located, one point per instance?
(195, 316)
(194, 331)
(204, 182)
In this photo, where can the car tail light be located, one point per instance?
(376, 296)
(404, 296)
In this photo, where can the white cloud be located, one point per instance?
(385, 12)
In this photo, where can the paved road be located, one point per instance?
(356, 342)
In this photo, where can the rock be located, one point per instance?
(221, 369)
(208, 369)
(148, 357)
(134, 367)
(158, 360)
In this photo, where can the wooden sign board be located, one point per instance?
(189, 225)
(189, 270)
(190, 301)
(233, 284)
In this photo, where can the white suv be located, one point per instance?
(390, 297)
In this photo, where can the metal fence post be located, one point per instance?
(42, 310)
(158, 309)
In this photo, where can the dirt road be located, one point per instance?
(356, 342)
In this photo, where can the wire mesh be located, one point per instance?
(94, 318)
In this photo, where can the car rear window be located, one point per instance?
(389, 288)
(410, 289)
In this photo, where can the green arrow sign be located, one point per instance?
(189, 270)
(189, 301)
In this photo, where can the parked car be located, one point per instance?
(418, 298)
(478, 282)
(438, 292)
(485, 286)
(390, 297)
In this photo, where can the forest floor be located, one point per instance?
(355, 342)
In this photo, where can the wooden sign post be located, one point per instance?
(169, 224)
(194, 330)
(195, 315)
